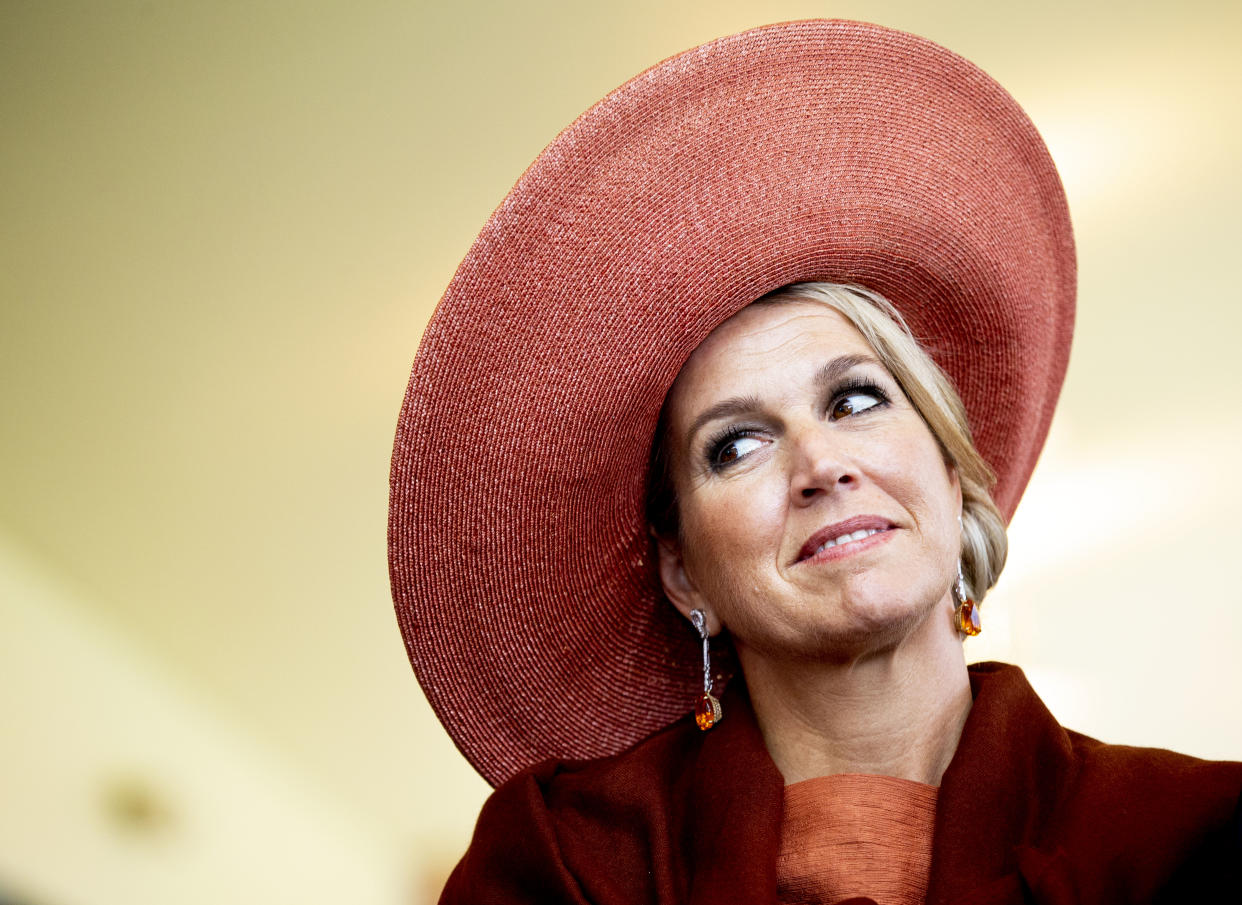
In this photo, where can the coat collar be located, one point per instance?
(737, 794)
(1012, 766)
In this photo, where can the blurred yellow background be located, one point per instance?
(224, 227)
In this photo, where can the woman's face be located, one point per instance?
(818, 516)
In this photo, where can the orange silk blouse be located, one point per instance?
(855, 834)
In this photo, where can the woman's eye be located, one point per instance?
(732, 450)
(852, 404)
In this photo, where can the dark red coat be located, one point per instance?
(1028, 812)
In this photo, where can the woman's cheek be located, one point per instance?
(735, 526)
(754, 508)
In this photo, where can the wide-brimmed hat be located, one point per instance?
(521, 565)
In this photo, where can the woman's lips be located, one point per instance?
(845, 538)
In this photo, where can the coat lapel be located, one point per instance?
(736, 824)
(1013, 765)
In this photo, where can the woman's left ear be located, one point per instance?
(679, 586)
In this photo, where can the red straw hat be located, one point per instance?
(520, 561)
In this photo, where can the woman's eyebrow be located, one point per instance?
(734, 405)
(840, 366)
(830, 373)
(744, 405)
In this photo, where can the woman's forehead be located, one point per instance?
(768, 341)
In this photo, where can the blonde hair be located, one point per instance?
(985, 543)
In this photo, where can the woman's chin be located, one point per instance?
(855, 630)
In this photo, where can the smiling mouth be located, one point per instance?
(842, 534)
(846, 538)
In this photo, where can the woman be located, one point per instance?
(600, 374)
(816, 514)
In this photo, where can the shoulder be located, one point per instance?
(545, 834)
(1113, 823)
(1152, 784)
(1159, 820)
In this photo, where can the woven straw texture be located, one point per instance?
(521, 569)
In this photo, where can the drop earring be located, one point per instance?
(966, 616)
(707, 712)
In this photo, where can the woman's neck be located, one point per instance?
(897, 712)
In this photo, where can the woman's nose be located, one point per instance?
(819, 464)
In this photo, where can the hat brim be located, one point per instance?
(822, 150)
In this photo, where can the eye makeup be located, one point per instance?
(718, 444)
(856, 386)
(717, 452)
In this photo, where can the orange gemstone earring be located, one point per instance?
(966, 617)
(707, 712)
